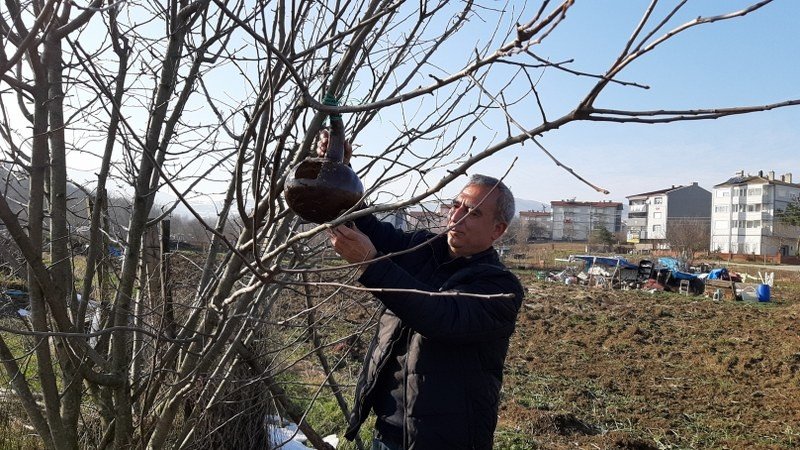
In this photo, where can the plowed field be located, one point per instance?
(592, 368)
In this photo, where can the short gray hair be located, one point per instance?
(505, 210)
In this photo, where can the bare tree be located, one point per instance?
(688, 235)
(200, 98)
(787, 225)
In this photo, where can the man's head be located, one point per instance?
(479, 216)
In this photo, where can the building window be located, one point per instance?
(720, 224)
(656, 228)
(753, 224)
(754, 191)
(754, 208)
(658, 200)
(657, 215)
(739, 208)
(721, 208)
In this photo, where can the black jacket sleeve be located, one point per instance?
(450, 314)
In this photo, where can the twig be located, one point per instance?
(533, 138)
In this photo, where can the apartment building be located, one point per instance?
(398, 218)
(574, 221)
(540, 224)
(744, 211)
(434, 219)
(650, 213)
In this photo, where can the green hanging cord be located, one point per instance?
(331, 100)
(337, 139)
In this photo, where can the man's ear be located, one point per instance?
(499, 229)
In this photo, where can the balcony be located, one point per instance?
(637, 209)
(634, 222)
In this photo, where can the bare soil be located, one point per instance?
(593, 368)
(603, 369)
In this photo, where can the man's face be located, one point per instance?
(472, 222)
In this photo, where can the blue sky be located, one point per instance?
(746, 61)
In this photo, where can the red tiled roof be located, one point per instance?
(534, 214)
(738, 180)
(595, 204)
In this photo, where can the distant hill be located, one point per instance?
(530, 205)
(15, 186)
(520, 204)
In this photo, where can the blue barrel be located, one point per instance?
(763, 292)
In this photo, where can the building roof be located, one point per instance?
(660, 191)
(422, 214)
(534, 214)
(746, 179)
(594, 204)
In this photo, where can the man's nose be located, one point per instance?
(458, 213)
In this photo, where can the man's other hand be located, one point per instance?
(322, 146)
(351, 244)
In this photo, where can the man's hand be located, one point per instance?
(322, 147)
(351, 244)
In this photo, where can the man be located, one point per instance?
(433, 372)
